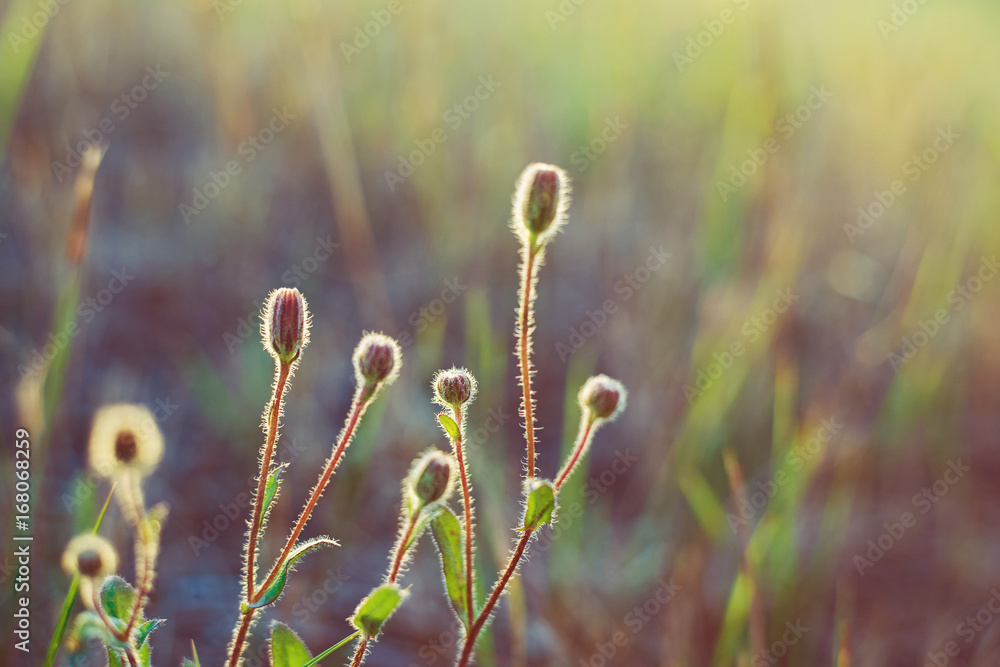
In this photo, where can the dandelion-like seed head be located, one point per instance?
(124, 438)
(91, 556)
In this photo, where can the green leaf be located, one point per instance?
(343, 642)
(423, 521)
(447, 533)
(192, 662)
(274, 591)
(287, 650)
(116, 658)
(376, 609)
(541, 503)
(270, 490)
(118, 598)
(450, 427)
(146, 628)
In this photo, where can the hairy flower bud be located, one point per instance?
(285, 326)
(454, 387)
(603, 397)
(377, 359)
(541, 201)
(431, 478)
(91, 556)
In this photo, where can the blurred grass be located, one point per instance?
(655, 184)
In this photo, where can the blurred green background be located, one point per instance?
(782, 241)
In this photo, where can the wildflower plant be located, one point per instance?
(126, 446)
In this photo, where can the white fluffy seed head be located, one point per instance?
(125, 438)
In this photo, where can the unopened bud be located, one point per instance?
(602, 397)
(431, 478)
(454, 387)
(541, 201)
(377, 359)
(285, 329)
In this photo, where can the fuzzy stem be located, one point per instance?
(362, 398)
(359, 654)
(397, 562)
(469, 642)
(274, 414)
(467, 507)
(144, 584)
(241, 635)
(586, 429)
(131, 657)
(524, 351)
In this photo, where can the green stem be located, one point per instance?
(343, 642)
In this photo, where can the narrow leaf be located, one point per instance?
(146, 628)
(116, 658)
(70, 598)
(274, 590)
(447, 533)
(118, 598)
(376, 609)
(287, 649)
(343, 642)
(541, 503)
(450, 427)
(270, 490)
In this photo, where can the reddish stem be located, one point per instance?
(467, 506)
(581, 444)
(265, 468)
(361, 400)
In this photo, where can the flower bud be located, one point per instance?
(454, 387)
(432, 477)
(91, 556)
(602, 397)
(285, 327)
(125, 438)
(540, 201)
(377, 359)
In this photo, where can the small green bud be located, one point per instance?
(285, 329)
(432, 477)
(377, 359)
(454, 387)
(540, 202)
(603, 397)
